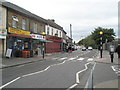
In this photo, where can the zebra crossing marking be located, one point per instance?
(81, 59)
(71, 58)
(63, 58)
(90, 59)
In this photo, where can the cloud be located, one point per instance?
(84, 15)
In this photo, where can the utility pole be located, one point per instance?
(70, 31)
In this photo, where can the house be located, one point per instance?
(54, 33)
(21, 25)
(29, 32)
(3, 31)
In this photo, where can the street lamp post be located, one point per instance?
(101, 46)
(43, 45)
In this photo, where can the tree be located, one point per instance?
(108, 35)
(88, 41)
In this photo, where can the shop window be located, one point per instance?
(23, 24)
(15, 21)
(35, 27)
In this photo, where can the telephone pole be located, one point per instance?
(71, 31)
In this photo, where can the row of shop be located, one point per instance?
(21, 33)
(19, 41)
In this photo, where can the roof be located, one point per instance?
(53, 24)
(31, 15)
(23, 11)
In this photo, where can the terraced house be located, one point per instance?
(31, 33)
(54, 33)
(3, 31)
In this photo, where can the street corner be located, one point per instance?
(101, 59)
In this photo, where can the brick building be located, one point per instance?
(24, 32)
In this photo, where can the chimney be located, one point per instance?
(51, 20)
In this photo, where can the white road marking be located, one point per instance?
(74, 85)
(90, 59)
(71, 58)
(9, 83)
(77, 74)
(116, 69)
(36, 72)
(77, 77)
(86, 86)
(43, 70)
(63, 58)
(80, 59)
(113, 68)
(94, 66)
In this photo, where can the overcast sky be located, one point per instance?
(84, 15)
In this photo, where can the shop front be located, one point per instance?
(64, 45)
(37, 44)
(55, 46)
(19, 41)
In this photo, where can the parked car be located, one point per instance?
(90, 48)
(83, 48)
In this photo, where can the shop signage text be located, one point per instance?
(3, 32)
(17, 31)
(36, 36)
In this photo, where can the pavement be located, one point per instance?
(11, 62)
(106, 58)
(106, 61)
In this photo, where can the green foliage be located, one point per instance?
(94, 39)
(88, 41)
(108, 34)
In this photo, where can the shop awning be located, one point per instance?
(42, 40)
(20, 35)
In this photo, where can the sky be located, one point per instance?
(83, 15)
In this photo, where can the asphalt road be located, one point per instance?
(58, 71)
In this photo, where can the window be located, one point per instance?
(15, 21)
(23, 24)
(60, 33)
(35, 27)
(48, 30)
(0, 16)
(52, 32)
(41, 28)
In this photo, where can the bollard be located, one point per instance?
(112, 56)
(112, 49)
